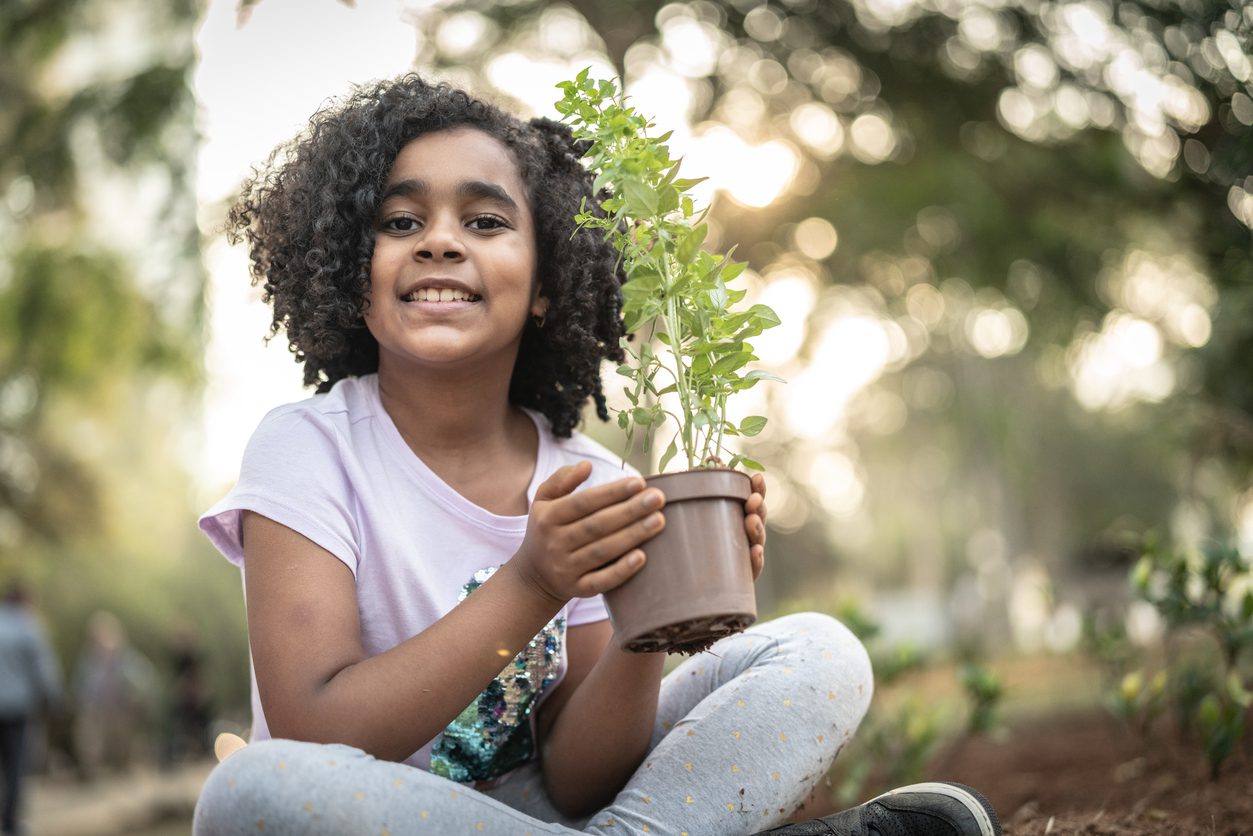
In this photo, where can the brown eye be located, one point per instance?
(400, 224)
(483, 223)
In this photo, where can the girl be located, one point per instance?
(425, 540)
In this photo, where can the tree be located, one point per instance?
(84, 319)
(1096, 126)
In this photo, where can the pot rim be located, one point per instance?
(703, 483)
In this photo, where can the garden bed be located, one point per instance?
(1089, 774)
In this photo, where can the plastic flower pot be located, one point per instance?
(697, 584)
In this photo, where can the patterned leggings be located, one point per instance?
(744, 732)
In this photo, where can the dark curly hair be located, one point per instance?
(307, 216)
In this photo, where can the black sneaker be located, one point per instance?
(930, 809)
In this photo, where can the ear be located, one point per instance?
(539, 307)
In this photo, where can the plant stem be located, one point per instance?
(722, 421)
(671, 319)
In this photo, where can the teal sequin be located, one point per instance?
(493, 734)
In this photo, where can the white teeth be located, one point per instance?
(443, 294)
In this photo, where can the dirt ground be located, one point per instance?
(1086, 773)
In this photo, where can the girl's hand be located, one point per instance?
(755, 523)
(582, 544)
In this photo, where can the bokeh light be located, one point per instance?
(816, 238)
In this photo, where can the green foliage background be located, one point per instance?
(101, 339)
(1042, 223)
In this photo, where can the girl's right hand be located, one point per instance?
(581, 544)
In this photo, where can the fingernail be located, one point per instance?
(653, 521)
(653, 499)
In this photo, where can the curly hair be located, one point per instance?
(307, 216)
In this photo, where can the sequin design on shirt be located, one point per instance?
(493, 734)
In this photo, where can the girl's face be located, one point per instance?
(452, 279)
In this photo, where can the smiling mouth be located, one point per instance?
(444, 294)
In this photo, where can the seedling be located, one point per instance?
(984, 690)
(676, 294)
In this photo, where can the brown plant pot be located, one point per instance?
(697, 584)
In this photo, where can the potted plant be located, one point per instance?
(697, 585)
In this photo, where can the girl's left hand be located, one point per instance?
(755, 523)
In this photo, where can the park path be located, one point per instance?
(115, 804)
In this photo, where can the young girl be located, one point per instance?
(424, 542)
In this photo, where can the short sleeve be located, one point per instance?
(293, 473)
(586, 611)
(606, 467)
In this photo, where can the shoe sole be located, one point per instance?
(971, 802)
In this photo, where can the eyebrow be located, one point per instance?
(473, 189)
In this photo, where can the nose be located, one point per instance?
(440, 240)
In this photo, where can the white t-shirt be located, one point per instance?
(335, 469)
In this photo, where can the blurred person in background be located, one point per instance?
(30, 682)
(186, 732)
(113, 687)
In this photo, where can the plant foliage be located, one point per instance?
(677, 294)
(1210, 593)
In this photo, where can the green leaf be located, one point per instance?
(731, 362)
(1209, 712)
(752, 425)
(691, 244)
(669, 454)
(668, 200)
(732, 269)
(705, 418)
(718, 296)
(671, 173)
(641, 201)
(683, 184)
(758, 374)
(751, 464)
(764, 315)
(1237, 691)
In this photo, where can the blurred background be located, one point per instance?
(1009, 241)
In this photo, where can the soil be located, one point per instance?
(1089, 774)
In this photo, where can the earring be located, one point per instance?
(539, 319)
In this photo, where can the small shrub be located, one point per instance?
(1138, 700)
(1202, 597)
(894, 745)
(984, 690)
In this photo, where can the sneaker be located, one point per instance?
(930, 809)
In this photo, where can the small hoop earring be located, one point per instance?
(539, 319)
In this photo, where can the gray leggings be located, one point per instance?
(744, 732)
